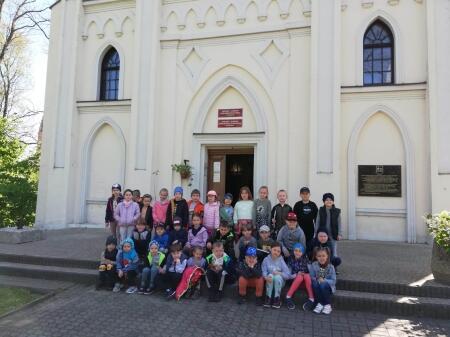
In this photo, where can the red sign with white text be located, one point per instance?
(224, 113)
(230, 123)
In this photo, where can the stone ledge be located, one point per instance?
(13, 235)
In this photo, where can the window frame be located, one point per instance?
(105, 69)
(381, 46)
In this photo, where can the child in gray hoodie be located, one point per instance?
(275, 272)
(290, 234)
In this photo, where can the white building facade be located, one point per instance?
(344, 96)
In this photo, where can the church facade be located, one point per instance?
(344, 96)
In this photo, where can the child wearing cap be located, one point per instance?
(298, 264)
(262, 209)
(306, 211)
(114, 200)
(177, 207)
(280, 212)
(107, 269)
(264, 242)
(160, 207)
(245, 241)
(219, 267)
(275, 272)
(290, 234)
(226, 211)
(155, 259)
(329, 218)
(243, 210)
(197, 236)
(126, 265)
(178, 234)
(250, 276)
(195, 205)
(211, 217)
(225, 235)
(161, 237)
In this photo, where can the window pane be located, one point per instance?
(367, 66)
(377, 66)
(377, 78)
(367, 78)
(387, 65)
(377, 53)
(368, 54)
(387, 77)
(387, 53)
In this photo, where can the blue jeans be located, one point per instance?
(322, 292)
(275, 286)
(148, 276)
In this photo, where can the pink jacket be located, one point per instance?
(211, 217)
(127, 216)
(160, 211)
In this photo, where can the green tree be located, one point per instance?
(18, 180)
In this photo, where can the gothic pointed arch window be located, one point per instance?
(109, 80)
(378, 54)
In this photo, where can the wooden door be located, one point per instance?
(216, 173)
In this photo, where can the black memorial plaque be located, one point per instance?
(380, 180)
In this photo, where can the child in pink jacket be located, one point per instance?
(160, 207)
(211, 216)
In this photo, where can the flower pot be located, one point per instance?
(185, 175)
(440, 264)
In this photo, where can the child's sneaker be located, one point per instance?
(276, 303)
(308, 305)
(327, 309)
(117, 288)
(141, 290)
(131, 290)
(149, 291)
(318, 309)
(242, 299)
(170, 293)
(290, 303)
(268, 302)
(259, 301)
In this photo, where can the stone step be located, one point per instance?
(36, 285)
(393, 304)
(75, 275)
(48, 261)
(369, 302)
(436, 291)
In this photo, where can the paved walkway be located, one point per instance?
(84, 312)
(362, 260)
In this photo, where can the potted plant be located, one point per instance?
(439, 227)
(184, 169)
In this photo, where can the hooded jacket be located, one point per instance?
(109, 214)
(181, 236)
(141, 241)
(127, 215)
(177, 208)
(246, 272)
(199, 239)
(127, 261)
(159, 211)
(211, 217)
(270, 265)
(315, 270)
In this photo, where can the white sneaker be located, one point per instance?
(318, 309)
(327, 309)
(131, 290)
(116, 288)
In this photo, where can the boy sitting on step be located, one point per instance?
(107, 269)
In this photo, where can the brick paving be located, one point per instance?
(84, 312)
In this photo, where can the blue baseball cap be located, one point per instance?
(251, 251)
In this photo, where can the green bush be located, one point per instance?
(439, 226)
(18, 180)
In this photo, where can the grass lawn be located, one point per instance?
(13, 298)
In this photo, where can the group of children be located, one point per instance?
(173, 244)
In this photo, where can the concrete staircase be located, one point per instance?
(430, 300)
